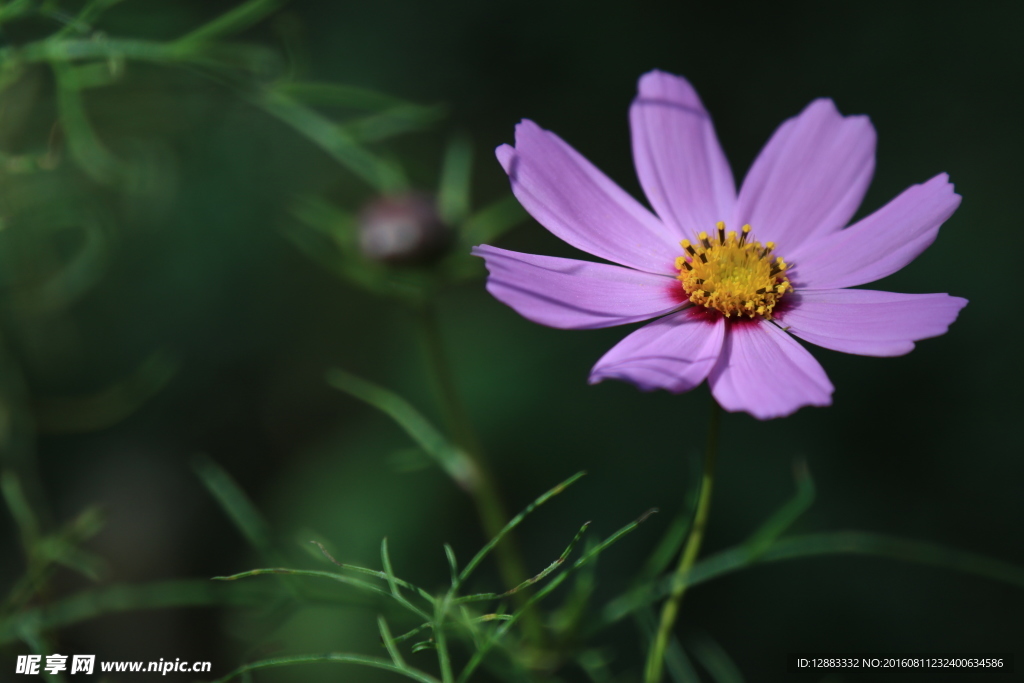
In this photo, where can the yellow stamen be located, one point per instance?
(733, 276)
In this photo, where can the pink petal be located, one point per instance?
(576, 295)
(680, 164)
(868, 322)
(765, 372)
(878, 245)
(674, 353)
(581, 206)
(810, 177)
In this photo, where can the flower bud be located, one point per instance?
(403, 229)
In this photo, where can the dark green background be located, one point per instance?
(924, 446)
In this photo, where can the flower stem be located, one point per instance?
(669, 612)
(480, 486)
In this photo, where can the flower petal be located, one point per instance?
(576, 295)
(580, 205)
(880, 244)
(765, 372)
(810, 177)
(868, 322)
(680, 164)
(674, 353)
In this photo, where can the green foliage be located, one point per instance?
(451, 459)
(115, 598)
(43, 278)
(232, 22)
(768, 545)
(54, 253)
(372, 662)
(450, 614)
(487, 632)
(237, 505)
(45, 551)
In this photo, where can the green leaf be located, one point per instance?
(441, 639)
(784, 518)
(85, 525)
(213, 56)
(339, 95)
(237, 505)
(500, 632)
(378, 574)
(56, 549)
(16, 9)
(389, 574)
(453, 566)
(416, 631)
(671, 542)
(880, 545)
(383, 176)
(452, 460)
(331, 220)
(17, 503)
(90, 12)
(670, 545)
(715, 660)
(41, 645)
(528, 582)
(574, 609)
(821, 544)
(391, 122)
(453, 194)
(513, 523)
(364, 586)
(596, 664)
(96, 74)
(677, 664)
(336, 658)
(125, 598)
(86, 148)
(493, 221)
(614, 538)
(233, 21)
(389, 643)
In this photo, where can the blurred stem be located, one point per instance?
(17, 436)
(656, 659)
(22, 489)
(480, 487)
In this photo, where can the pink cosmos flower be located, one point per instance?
(729, 278)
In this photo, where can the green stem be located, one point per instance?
(480, 487)
(656, 659)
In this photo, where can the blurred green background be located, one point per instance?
(191, 324)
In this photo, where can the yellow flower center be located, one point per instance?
(731, 274)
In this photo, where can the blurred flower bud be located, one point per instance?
(403, 229)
